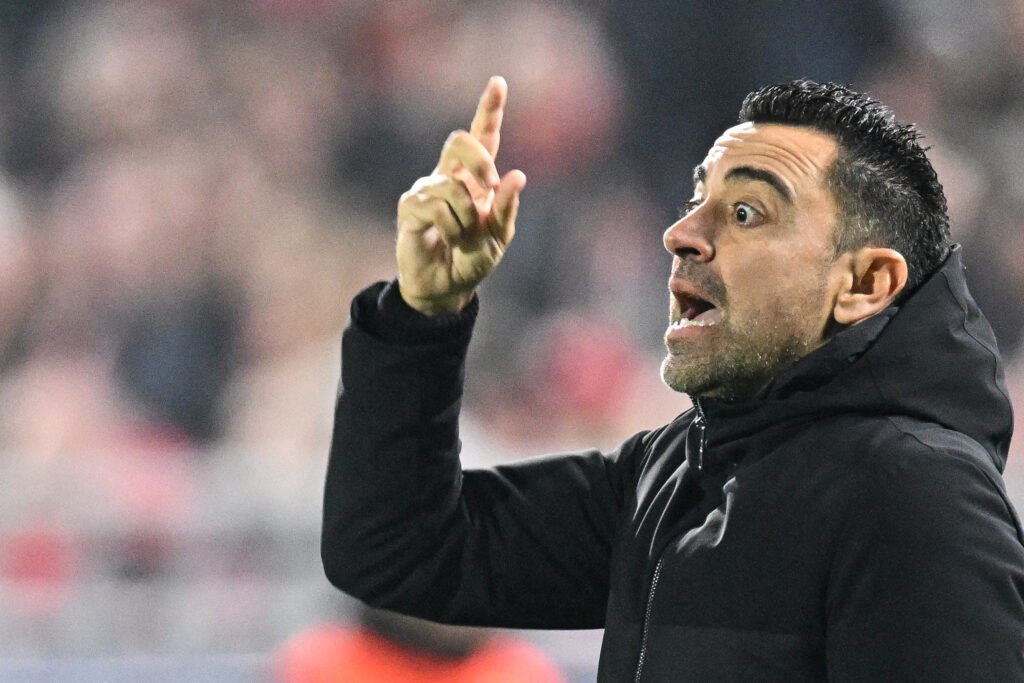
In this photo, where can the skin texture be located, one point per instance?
(455, 224)
(756, 242)
(762, 258)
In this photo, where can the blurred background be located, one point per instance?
(191, 191)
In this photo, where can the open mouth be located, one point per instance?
(694, 312)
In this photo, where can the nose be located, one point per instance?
(688, 238)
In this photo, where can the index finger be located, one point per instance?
(486, 126)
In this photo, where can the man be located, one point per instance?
(831, 508)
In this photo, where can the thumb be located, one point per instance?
(505, 206)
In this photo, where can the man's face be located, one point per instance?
(750, 290)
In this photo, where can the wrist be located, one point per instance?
(438, 305)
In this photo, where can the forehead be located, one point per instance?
(799, 155)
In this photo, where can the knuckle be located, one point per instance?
(424, 182)
(456, 137)
(416, 192)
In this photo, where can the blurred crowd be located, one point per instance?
(191, 192)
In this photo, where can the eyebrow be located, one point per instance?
(700, 175)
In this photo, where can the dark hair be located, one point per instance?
(884, 186)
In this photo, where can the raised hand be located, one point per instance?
(455, 224)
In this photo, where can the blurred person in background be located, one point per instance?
(133, 317)
(830, 508)
(192, 190)
(387, 647)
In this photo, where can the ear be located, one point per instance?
(868, 280)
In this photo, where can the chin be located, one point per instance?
(716, 379)
(686, 378)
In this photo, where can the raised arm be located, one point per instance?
(405, 528)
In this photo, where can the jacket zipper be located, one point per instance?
(647, 620)
(701, 423)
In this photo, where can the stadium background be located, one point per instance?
(191, 191)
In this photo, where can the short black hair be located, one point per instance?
(885, 188)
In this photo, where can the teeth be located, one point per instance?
(680, 324)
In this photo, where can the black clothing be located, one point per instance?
(851, 524)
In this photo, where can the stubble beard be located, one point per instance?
(739, 361)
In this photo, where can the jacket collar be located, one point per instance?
(934, 358)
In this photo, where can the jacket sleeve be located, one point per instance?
(928, 580)
(404, 528)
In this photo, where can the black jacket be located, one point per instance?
(851, 525)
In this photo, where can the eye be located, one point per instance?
(745, 214)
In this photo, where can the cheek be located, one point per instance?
(755, 282)
(774, 285)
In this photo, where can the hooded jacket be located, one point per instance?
(850, 524)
